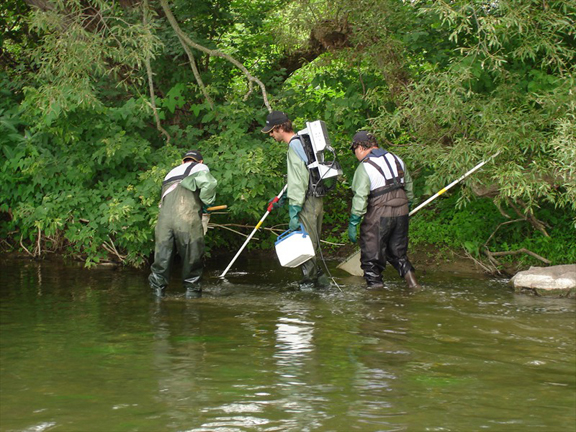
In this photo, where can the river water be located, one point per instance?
(91, 350)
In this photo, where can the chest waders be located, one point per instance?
(179, 230)
(384, 230)
(311, 217)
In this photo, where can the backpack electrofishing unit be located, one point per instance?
(323, 172)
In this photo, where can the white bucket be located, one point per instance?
(294, 248)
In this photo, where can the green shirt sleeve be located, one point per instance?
(408, 186)
(297, 178)
(361, 189)
(204, 182)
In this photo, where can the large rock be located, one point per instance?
(557, 281)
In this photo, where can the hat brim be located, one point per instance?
(185, 158)
(267, 129)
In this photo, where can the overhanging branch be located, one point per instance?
(214, 53)
(151, 80)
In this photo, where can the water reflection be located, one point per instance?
(295, 366)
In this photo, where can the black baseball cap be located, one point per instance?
(274, 119)
(195, 155)
(363, 138)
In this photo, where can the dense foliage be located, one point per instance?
(100, 99)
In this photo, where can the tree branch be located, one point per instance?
(215, 53)
(498, 227)
(195, 71)
(528, 216)
(145, 9)
(111, 248)
(519, 251)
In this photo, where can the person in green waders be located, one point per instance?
(186, 190)
(382, 190)
(302, 206)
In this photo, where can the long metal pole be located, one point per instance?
(253, 231)
(440, 192)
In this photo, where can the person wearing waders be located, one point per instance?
(186, 190)
(303, 208)
(382, 190)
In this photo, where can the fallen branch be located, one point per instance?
(528, 216)
(24, 247)
(519, 251)
(498, 227)
(331, 243)
(479, 263)
(38, 249)
(272, 229)
(112, 249)
(211, 225)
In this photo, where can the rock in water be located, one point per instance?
(556, 281)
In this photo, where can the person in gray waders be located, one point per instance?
(382, 190)
(186, 189)
(302, 206)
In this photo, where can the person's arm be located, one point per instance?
(297, 178)
(203, 182)
(408, 186)
(361, 189)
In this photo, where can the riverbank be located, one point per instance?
(423, 259)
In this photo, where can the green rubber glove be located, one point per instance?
(352, 227)
(294, 211)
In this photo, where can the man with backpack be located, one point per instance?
(303, 207)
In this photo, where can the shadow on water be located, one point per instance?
(93, 350)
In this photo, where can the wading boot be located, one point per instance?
(323, 282)
(374, 285)
(193, 293)
(410, 279)
(193, 290)
(373, 280)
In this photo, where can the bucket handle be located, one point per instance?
(286, 233)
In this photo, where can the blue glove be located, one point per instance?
(352, 227)
(294, 211)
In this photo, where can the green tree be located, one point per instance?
(116, 91)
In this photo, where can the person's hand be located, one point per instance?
(352, 228)
(352, 233)
(276, 203)
(294, 222)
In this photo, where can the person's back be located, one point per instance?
(180, 207)
(186, 188)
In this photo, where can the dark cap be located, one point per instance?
(194, 155)
(364, 139)
(274, 119)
